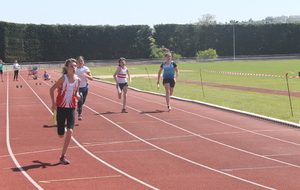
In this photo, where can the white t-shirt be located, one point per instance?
(84, 79)
(16, 66)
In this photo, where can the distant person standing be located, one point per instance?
(1, 69)
(16, 68)
(120, 77)
(169, 77)
(84, 73)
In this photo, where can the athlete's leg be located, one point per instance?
(168, 93)
(125, 88)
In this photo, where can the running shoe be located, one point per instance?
(169, 108)
(124, 111)
(63, 160)
(80, 117)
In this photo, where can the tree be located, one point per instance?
(207, 19)
(207, 54)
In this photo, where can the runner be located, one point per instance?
(121, 81)
(169, 80)
(84, 73)
(65, 104)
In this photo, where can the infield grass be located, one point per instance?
(276, 106)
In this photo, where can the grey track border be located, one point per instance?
(288, 123)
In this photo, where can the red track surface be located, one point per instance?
(191, 147)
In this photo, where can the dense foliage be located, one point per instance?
(29, 42)
(207, 54)
(249, 39)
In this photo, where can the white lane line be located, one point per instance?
(257, 168)
(182, 158)
(206, 138)
(91, 154)
(168, 152)
(8, 139)
(110, 151)
(208, 118)
(273, 155)
(116, 169)
(90, 144)
(227, 124)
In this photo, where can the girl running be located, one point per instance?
(121, 81)
(84, 73)
(66, 101)
(169, 79)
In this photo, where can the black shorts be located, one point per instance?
(1, 72)
(121, 85)
(171, 81)
(62, 115)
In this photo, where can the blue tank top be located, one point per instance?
(169, 70)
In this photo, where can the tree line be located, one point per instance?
(34, 43)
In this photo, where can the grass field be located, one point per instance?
(277, 106)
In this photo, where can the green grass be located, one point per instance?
(276, 106)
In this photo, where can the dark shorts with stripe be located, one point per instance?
(171, 81)
(62, 115)
(121, 85)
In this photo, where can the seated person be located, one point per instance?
(46, 76)
(32, 71)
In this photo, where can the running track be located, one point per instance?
(192, 147)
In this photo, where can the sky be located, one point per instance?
(141, 12)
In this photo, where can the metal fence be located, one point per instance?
(102, 63)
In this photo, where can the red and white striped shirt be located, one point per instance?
(66, 97)
(121, 77)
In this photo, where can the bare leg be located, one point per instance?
(171, 91)
(119, 95)
(168, 93)
(67, 141)
(124, 96)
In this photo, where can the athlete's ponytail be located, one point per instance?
(68, 61)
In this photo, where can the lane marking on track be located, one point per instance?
(77, 179)
(221, 122)
(138, 150)
(206, 138)
(168, 152)
(91, 154)
(274, 155)
(89, 144)
(132, 141)
(121, 122)
(178, 157)
(258, 168)
(111, 166)
(8, 139)
(115, 142)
